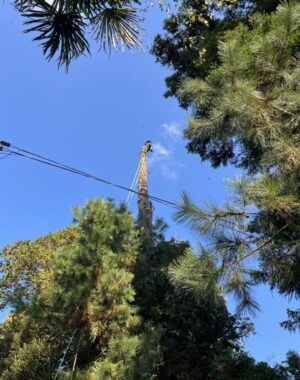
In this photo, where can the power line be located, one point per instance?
(5, 155)
(47, 161)
(42, 159)
(6, 148)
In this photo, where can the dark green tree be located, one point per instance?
(84, 317)
(246, 113)
(189, 45)
(87, 295)
(255, 85)
(290, 368)
(198, 331)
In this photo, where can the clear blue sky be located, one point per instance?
(96, 118)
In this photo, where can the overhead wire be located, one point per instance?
(5, 155)
(42, 159)
(47, 161)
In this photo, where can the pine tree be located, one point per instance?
(87, 295)
(92, 291)
(189, 44)
(246, 113)
(84, 317)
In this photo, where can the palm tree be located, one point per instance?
(61, 25)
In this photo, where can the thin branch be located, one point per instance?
(259, 247)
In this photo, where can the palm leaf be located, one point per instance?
(117, 27)
(61, 30)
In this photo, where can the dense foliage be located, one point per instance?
(98, 300)
(189, 45)
(83, 308)
(255, 85)
(246, 113)
(64, 27)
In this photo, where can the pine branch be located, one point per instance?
(238, 261)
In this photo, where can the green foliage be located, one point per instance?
(33, 360)
(238, 233)
(246, 113)
(86, 293)
(25, 266)
(87, 287)
(189, 44)
(92, 313)
(197, 276)
(130, 358)
(58, 29)
(293, 323)
(243, 367)
(198, 333)
(117, 26)
(291, 366)
(118, 363)
(254, 85)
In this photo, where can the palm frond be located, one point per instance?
(60, 30)
(117, 27)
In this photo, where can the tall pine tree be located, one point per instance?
(246, 113)
(83, 317)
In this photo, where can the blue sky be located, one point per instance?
(96, 118)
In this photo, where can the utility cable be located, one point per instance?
(5, 155)
(41, 159)
(35, 157)
(6, 147)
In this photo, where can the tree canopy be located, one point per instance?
(189, 45)
(245, 112)
(63, 27)
(84, 310)
(98, 300)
